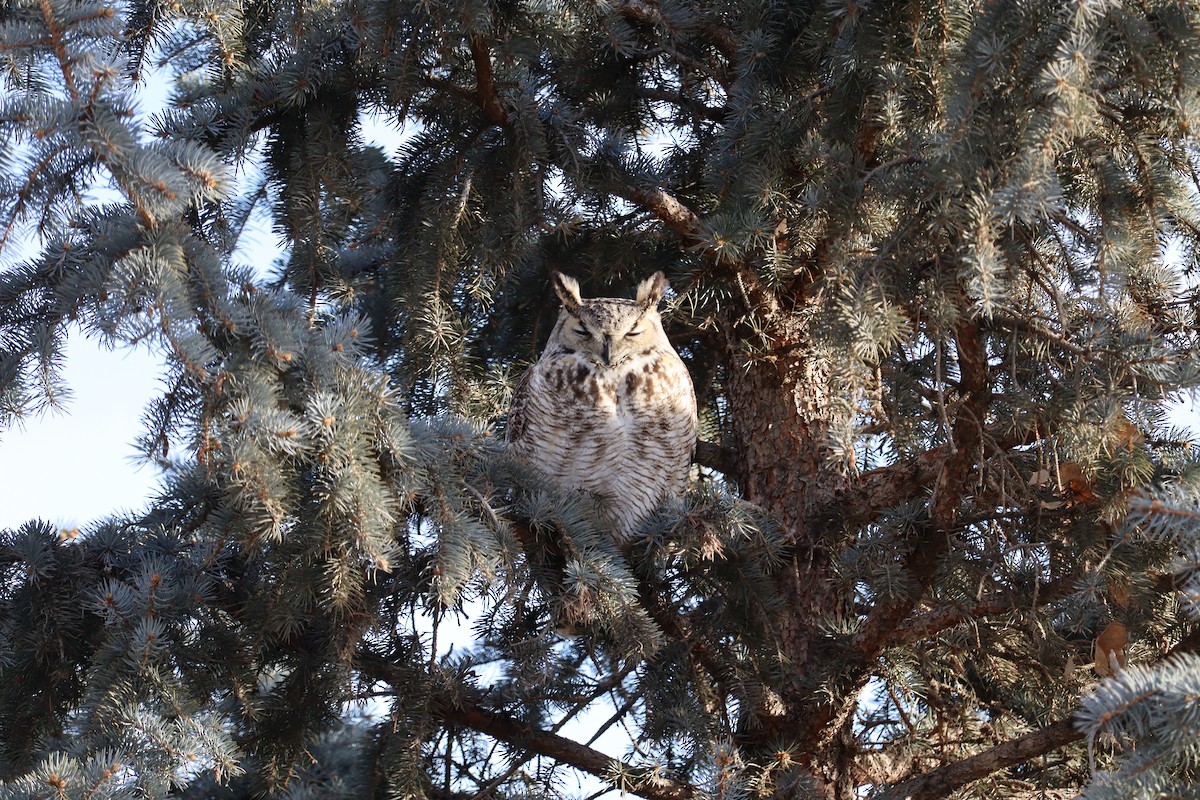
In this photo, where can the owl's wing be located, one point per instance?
(515, 427)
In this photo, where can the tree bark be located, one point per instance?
(781, 411)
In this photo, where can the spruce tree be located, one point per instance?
(933, 269)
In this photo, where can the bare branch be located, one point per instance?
(485, 84)
(551, 745)
(877, 490)
(934, 622)
(640, 781)
(560, 748)
(942, 781)
(1013, 318)
(672, 213)
(886, 487)
(683, 101)
(948, 488)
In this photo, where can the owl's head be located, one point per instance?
(609, 330)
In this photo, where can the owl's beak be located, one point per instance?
(606, 352)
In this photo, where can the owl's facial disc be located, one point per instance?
(608, 331)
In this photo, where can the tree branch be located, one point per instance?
(648, 12)
(672, 213)
(948, 488)
(58, 39)
(551, 745)
(714, 456)
(682, 101)
(877, 490)
(934, 622)
(884, 488)
(485, 84)
(942, 781)
(1015, 319)
(626, 777)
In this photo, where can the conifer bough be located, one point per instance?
(934, 268)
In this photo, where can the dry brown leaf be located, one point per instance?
(1128, 434)
(1109, 649)
(1075, 484)
(782, 241)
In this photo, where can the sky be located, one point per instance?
(77, 464)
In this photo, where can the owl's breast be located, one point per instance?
(626, 432)
(587, 414)
(635, 387)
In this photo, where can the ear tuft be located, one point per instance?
(567, 289)
(651, 290)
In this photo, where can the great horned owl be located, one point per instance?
(609, 407)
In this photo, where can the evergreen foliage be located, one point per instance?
(934, 276)
(1150, 710)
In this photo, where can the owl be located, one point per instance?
(609, 407)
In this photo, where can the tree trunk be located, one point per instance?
(781, 410)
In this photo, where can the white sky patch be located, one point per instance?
(380, 130)
(79, 464)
